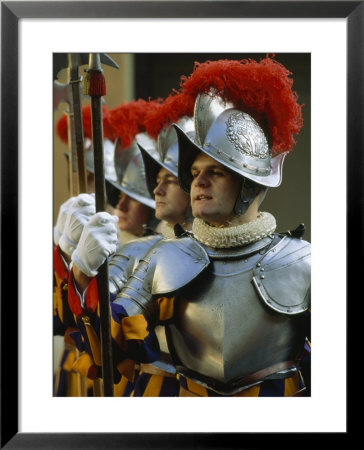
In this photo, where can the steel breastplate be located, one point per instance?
(229, 326)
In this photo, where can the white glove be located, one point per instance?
(98, 240)
(79, 213)
(61, 219)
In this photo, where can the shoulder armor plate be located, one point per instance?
(164, 269)
(138, 247)
(283, 276)
(168, 263)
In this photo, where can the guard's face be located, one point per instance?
(132, 214)
(214, 190)
(170, 201)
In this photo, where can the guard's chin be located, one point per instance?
(201, 214)
(196, 212)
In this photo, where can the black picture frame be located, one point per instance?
(11, 13)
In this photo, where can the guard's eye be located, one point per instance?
(217, 172)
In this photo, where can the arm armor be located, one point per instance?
(162, 272)
(125, 260)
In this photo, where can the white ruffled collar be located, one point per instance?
(236, 236)
(166, 230)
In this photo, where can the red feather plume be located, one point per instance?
(263, 88)
(62, 125)
(61, 129)
(174, 106)
(87, 123)
(128, 119)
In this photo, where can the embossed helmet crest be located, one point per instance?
(247, 136)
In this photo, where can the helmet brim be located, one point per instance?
(188, 151)
(152, 168)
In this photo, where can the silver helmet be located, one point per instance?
(166, 153)
(130, 170)
(234, 139)
(109, 167)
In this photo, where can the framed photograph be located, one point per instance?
(325, 40)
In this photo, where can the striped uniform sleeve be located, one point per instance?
(131, 339)
(152, 381)
(62, 315)
(87, 335)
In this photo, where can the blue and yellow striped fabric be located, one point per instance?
(153, 382)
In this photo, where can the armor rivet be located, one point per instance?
(245, 260)
(258, 265)
(231, 158)
(262, 276)
(262, 269)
